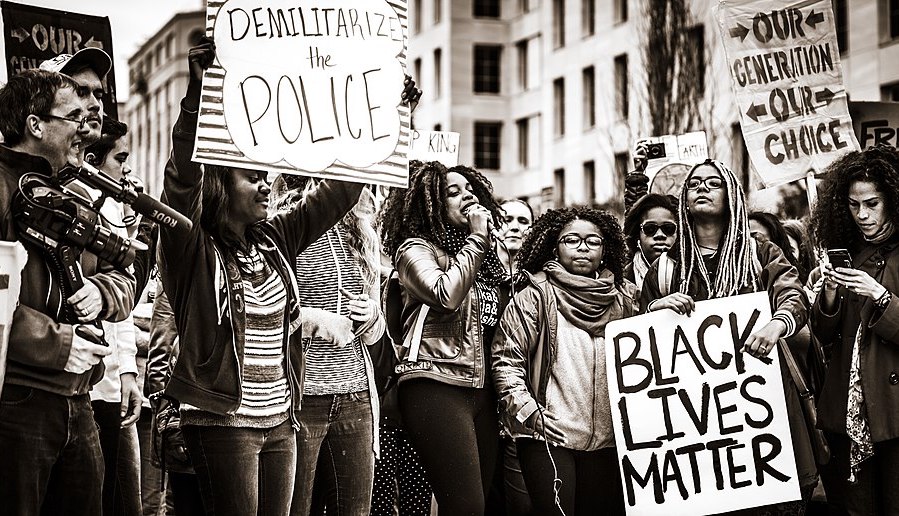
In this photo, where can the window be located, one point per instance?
(438, 11)
(486, 8)
(438, 72)
(523, 136)
(619, 8)
(559, 107)
(893, 18)
(588, 17)
(487, 144)
(558, 23)
(486, 68)
(841, 15)
(559, 187)
(416, 66)
(521, 51)
(621, 90)
(588, 76)
(416, 16)
(696, 56)
(890, 92)
(590, 180)
(622, 164)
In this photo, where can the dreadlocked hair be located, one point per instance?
(540, 244)
(833, 225)
(735, 263)
(419, 211)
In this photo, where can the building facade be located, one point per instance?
(548, 95)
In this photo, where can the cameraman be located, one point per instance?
(51, 461)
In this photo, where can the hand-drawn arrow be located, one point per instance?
(20, 34)
(92, 43)
(739, 32)
(825, 96)
(814, 19)
(756, 111)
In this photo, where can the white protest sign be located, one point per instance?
(700, 427)
(672, 159)
(788, 84)
(12, 259)
(307, 86)
(875, 123)
(439, 146)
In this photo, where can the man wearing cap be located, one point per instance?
(88, 67)
(50, 460)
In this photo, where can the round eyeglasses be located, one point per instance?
(574, 241)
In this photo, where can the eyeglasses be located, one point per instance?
(574, 241)
(711, 183)
(81, 122)
(651, 228)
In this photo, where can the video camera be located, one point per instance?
(64, 223)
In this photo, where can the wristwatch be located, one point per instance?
(884, 300)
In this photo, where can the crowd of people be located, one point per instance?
(311, 352)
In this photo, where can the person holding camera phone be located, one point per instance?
(52, 462)
(857, 311)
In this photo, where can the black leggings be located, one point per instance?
(455, 432)
(590, 480)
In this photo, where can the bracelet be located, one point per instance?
(884, 300)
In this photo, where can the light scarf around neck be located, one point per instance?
(587, 303)
(884, 233)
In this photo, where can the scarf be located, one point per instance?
(883, 234)
(491, 272)
(587, 303)
(641, 269)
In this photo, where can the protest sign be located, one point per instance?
(875, 123)
(310, 87)
(12, 259)
(700, 426)
(34, 34)
(670, 159)
(439, 146)
(785, 67)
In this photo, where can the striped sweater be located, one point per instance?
(265, 399)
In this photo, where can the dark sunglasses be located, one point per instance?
(651, 228)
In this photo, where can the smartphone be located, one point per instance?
(839, 258)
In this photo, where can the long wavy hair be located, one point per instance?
(218, 187)
(735, 270)
(540, 244)
(288, 190)
(832, 223)
(420, 210)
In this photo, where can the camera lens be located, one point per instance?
(111, 248)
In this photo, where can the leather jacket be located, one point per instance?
(453, 348)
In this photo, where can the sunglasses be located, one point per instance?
(651, 228)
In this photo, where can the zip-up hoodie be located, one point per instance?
(204, 286)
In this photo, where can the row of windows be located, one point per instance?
(588, 18)
(438, 72)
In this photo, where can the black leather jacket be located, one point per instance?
(453, 348)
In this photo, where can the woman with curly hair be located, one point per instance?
(549, 361)
(439, 232)
(857, 209)
(716, 257)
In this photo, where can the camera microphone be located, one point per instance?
(124, 192)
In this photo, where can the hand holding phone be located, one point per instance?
(839, 258)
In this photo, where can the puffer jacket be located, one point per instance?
(453, 348)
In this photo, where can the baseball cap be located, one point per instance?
(94, 58)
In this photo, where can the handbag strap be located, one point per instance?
(798, 377)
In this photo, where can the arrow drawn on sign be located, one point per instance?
(20, 34)
(756, 111)
(92, 43)
(814, 19)
(825, 96)
(739, 32)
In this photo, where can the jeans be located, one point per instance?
(50, 454)
(243, 471)
(335, 443)
(121, 483)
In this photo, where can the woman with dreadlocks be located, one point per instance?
(715, 256)
(439, 232)
(549, 360)
(857, 311)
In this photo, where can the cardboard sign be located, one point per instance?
(439, 146)
(700, 427)
(668, 171)
(12, 259)
(307, 87)
(34, 34)
(788, 84)
(875, 123)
